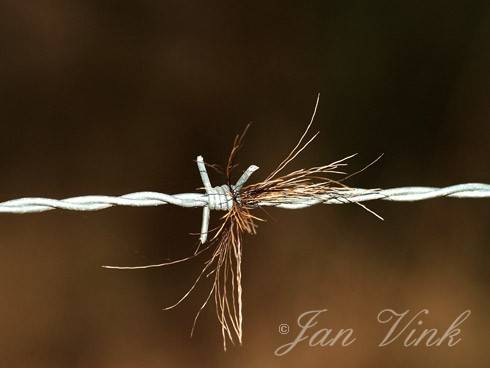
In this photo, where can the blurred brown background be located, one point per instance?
(111, 97)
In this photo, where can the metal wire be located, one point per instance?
(403, 194)
(149, 199)
(220, 198)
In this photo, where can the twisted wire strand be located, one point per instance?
(402, 194)
(149, 199)
(99, 202)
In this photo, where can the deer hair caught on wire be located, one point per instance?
(298, 189)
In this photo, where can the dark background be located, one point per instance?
(112, 97)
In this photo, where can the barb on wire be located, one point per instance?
(298, 189)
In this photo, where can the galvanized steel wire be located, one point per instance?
(221, 198)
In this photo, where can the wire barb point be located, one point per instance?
(220, 197)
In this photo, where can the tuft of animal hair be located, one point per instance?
(224, 266)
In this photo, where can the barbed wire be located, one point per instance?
(221, 198)
(148, 199)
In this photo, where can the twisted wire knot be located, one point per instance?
(220, 198)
